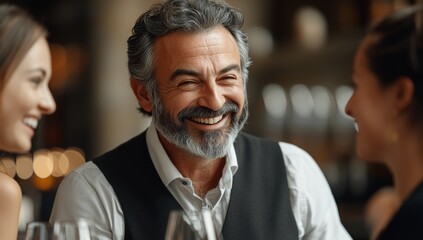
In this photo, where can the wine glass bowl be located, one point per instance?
(39, 231)
(71, 231)
(57, 231)
(180, 227)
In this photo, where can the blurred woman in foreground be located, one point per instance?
(387, 106)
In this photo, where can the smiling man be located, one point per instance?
(189, 62)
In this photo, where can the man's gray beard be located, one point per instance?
(211, 144)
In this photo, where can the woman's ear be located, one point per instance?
(142, 95)
(404, 92)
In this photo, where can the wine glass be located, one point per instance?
(58, 231)
(39, 231)
(71, 231)
(180, 227)
(209, 225)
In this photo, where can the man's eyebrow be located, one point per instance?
(230, 68)
(179, 72)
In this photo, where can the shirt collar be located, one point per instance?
(165, 168)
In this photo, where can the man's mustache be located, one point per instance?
(205, 112)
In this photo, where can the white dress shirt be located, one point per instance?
(86, 194)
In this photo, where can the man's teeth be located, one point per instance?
(32, 122)
(208, 120)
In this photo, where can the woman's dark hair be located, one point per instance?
(397, 50)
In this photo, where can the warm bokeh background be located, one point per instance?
(302, 54)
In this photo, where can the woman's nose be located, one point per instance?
(47, 103)
(348, 109)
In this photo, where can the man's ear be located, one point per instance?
(144, 99)
(404, 92)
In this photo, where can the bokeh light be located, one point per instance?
(24, 167)
(8, 166)
(275, 100)
(54, 162)
(302, 100)
(43, 164)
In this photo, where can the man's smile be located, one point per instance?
(208, 121)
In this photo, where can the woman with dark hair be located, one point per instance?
(25, 71)
(387, 106)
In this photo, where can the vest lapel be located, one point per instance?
(145, 201)
(260, 206)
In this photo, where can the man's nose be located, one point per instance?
(212, 97)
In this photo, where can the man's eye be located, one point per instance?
(187, 82)
(230, 79)
(187, 85)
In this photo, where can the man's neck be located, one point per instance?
(204, 173)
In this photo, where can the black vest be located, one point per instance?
(259, 206)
